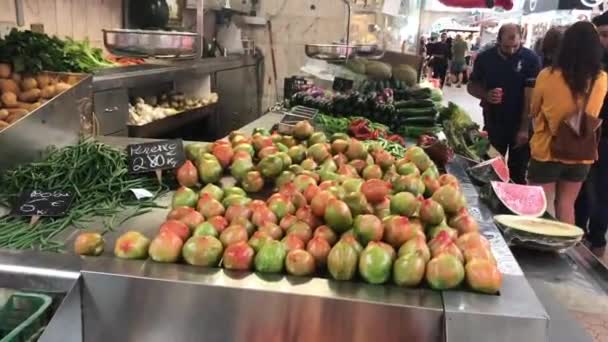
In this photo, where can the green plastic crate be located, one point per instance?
(24, 316)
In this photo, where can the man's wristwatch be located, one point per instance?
(490, 3)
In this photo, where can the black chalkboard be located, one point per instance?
(43, 203)
(158, 155)
(342, 84)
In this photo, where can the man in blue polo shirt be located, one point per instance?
(503, 78)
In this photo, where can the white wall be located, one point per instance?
(74, 18)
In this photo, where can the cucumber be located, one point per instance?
(414, 104)
(416, 131)
(420, 94)
(422, 121)
(417, 112)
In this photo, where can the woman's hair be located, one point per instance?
(550, 45)
(580, 57)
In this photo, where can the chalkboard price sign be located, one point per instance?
(43, 203)
(154, 156)
(342, 84)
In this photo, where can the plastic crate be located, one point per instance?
(24, 316)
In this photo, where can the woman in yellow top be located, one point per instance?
(560, 90)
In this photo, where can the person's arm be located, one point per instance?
(537, 96)
(597, 96)
(523, 135)
(476, 86)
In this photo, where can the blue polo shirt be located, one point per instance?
(511, 73)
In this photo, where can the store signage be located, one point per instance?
(342, 84)
(43, 203)
(538, 6)
(155, 156)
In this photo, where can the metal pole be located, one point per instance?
(19, 12)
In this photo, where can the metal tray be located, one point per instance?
(146, 43)
(160, 128)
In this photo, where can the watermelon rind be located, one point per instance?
(522, 200)
(490, 170)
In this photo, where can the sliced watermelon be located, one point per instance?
(523, 200)
(491, 170)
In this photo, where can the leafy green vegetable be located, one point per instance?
(33, 52)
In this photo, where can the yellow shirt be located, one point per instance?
(553, 99)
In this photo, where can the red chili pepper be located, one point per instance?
(396, 138)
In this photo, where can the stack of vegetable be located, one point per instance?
(95, 173)
(412, 113)
(31, 52)
(340, 210)
(463, 134)
(152, 108)
(22, 93)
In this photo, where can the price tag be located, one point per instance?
(141, 193)
(342, 84)
(36, 203)
(155, 156)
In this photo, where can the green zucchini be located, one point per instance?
(416, 112)
(414, 104)
(426, 121)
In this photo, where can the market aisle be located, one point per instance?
(464, 100)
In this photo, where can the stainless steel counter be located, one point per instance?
(134, 76)
(143, 300)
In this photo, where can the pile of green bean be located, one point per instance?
(97, 175)
(395, 149)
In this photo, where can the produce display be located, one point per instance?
(21, 93)
(32, 52)
(337, 209)
(463, 134)
(95, 173)
(149, 109)
(410, 112)
(523, 200)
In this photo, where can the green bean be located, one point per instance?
(96, 173)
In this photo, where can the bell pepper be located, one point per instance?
(396, 138)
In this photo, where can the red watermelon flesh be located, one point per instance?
(490, 170)
(523, 200)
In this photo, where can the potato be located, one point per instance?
(3, 114)
(5, 70)
(17, 111)
(61, 87)
(16, 116)
(9, 99)
(72, 79)
(9, 85)
(16, 77)
(43, 80)
(3, 124)
(28, 106)
(29, 83)
(31, 95)
(48, 92)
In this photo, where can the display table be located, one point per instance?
(106, 298)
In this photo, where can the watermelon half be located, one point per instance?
(494, 169)
(523, 200)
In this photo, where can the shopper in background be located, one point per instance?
(574, 84)
(438, 52)
(459, 63)
(503, 78)
(550, 46)
(592, 203)
(449, 43)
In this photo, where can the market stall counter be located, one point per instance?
(133, 299)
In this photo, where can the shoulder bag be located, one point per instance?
(578, 135)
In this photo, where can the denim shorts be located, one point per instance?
(541, 172)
